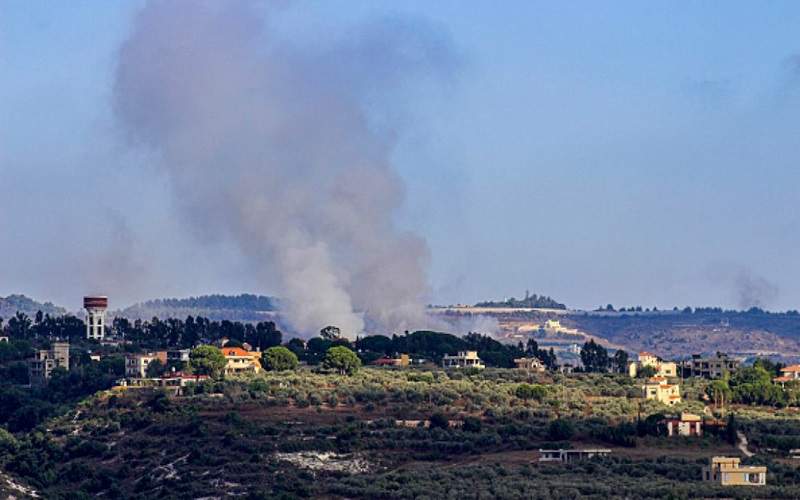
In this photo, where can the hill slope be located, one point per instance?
(10, 305)
(244, 307)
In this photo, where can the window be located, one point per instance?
(754, 478)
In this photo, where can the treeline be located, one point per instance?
(698, 310)
(530, 301)
(243, 302)
(433, 346)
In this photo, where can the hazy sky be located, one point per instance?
(625, 152)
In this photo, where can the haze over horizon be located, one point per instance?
(594, 162)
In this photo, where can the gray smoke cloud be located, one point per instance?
(754, 291)
(270, 145)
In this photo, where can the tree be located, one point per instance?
(330, 332)
(646, 372)
(438, 421)
(560, 430)
(341, 359)
(594, 357)
(155, 369)
(719, 391)
(207, 360)
(279, 358)
(298, 347)
(621, 361)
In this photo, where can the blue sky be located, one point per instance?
(626, 152)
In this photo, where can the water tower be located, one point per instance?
(96, 306)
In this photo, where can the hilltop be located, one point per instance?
(9, 306)
(243, 307)
(530, 301)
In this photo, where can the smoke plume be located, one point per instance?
(754, 291)
(269, 144)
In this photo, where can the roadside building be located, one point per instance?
(136, 364)
(568, 456)
(711, 368)
(788, 374)
(662, 368)
(530, 364)
(464, 359)
(728, 471)
(241, 361)
(44, 361)
(659, 389)
(687, 424)
(403, 360)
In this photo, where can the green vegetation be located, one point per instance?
(342, 360)
(530, 301)
(207, 360)
(279, 358)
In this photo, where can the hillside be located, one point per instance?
(243, 307)
(12, 304)
(681, 334)
(314, 435)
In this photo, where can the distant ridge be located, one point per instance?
(530, 301)
(243, 307)
(9, 306)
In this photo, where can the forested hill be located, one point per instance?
(244, 307)
(9, 306)
(530, 301)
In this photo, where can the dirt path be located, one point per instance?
(743, 444)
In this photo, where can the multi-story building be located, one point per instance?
(464, 359)
(176, 356)
(41, 367)
(713, 367)
(136, 364)
(728, 471)
(659, 389)
(241, 361)
(662, 368)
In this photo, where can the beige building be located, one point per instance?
(727, 471)
(464, 359)
(662, 368)
(529, 364)
(659, 389)
(136, 364)
(686, 425)
(241, 361)
(41, 367)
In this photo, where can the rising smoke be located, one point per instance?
(270, 145)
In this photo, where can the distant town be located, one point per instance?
(598, 404)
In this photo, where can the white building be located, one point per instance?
(464, 359)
